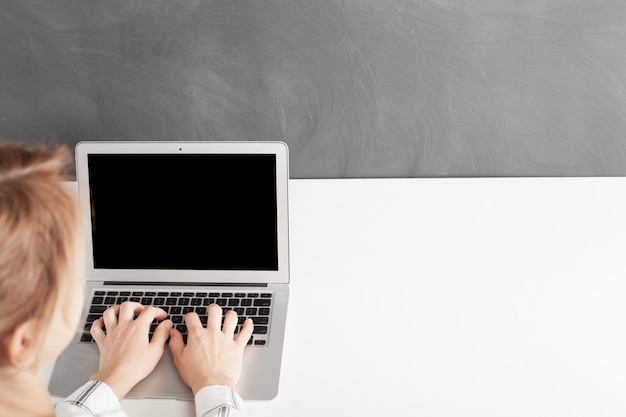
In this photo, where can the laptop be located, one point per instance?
(182, 225)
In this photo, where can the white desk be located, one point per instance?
(452, 297)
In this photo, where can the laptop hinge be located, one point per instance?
(184, 284)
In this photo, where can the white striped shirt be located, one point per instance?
(95, 398)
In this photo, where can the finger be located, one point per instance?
(161, 333)
(177, 345)
(245, 333)
(150, 313)
(214, 319)
(110, 316)
(128, 310)
(230, 323)
(96, 330)
(193, 323)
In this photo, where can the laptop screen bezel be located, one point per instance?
(177, 276)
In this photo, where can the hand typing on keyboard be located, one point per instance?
(213, 355)
(126, 354)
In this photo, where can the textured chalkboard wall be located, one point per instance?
(357, 88)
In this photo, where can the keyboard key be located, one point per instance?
(262, 302)
(260, 329)
(97, 309)
(261, 320)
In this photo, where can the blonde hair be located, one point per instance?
(39, 229)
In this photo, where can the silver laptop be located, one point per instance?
(182, 225)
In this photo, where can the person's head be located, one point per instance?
(40, 256)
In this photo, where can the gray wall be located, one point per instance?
(357, 88)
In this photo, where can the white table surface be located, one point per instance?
(451, 297)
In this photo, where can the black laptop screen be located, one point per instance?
(184, 211)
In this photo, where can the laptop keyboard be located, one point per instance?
(254, 305)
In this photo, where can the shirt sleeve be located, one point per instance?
(219, 401)
(95, 398)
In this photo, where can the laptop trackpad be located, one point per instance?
(163, 382)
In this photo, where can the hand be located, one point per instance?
(126, 354)
(212, 356)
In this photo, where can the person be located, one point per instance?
(41, 260)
